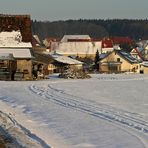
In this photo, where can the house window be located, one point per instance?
(118, 59)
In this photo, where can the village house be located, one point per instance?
(15, 47)
(84, 46)
(146, 52)
(143, 49)
(118, 62)
(36, 41)
(78, 45)
(41, 61)
(136, 53)
(51, 44)
(60, 62)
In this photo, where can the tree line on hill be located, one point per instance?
(136, 29)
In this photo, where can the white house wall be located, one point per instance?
(75, 48)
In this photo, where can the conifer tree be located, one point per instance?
(97, 59)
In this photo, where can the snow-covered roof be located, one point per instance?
(103, 55)
(145, 63)
(75, 48)
(37, 38)
(140, 49)
(13, 39)
(128, 56)
(64, 59)
(17, 53)
(6, 56)
(66, 37)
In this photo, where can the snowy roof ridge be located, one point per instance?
(64, 59)
(66, 37)
(145, 63)
(17, 53)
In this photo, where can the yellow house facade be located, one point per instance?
(144, 67)
(118, 62)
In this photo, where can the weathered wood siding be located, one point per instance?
(24, 66)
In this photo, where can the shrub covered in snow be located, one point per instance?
(74, 73)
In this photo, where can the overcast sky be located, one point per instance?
(75, 9)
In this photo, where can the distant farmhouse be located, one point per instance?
(84, 45)
(15, 47)
(78, 45)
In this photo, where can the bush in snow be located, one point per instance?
(74, 73)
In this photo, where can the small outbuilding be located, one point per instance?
(60, 62)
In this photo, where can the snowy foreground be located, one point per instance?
(106, 111)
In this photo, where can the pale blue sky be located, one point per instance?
(75, 9)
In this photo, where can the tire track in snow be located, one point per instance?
(98, 110)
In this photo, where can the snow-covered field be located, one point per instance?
(106, 111)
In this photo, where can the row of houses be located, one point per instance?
(84, 45)
(22, 57)
(112, 58)
(16, 48)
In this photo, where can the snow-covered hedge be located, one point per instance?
(74, 73)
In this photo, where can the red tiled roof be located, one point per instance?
(107, 43)
(79, 40)
(120, 40)
(51, 39)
